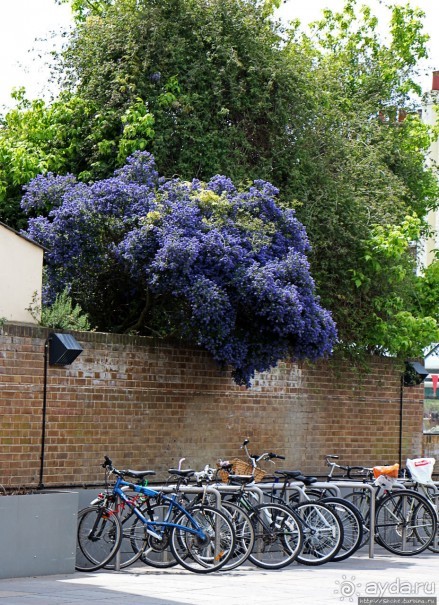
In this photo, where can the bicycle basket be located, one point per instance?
(386, 471)
(239, 467)
(421, 469)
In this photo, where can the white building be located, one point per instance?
(427, 255)
(430, 116)
(21, 274)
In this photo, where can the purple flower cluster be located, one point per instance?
(222, 268)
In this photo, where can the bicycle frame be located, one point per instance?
(159, 526)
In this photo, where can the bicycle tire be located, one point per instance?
(406, 522)
(312, 494)
(210, 554)
(127, 554)
(323, 533)
(153, 552)
(278, 536)
(352, 522)
(434, 500)
(244, 535)
(99, 535)
(361, 501)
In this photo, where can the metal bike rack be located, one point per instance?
(255, 489)
(300, 487)
(258, 490)
(372, 491)
(336, 485)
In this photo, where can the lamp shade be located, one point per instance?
(414, 374)
(63, 349)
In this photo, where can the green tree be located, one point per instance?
(400, 318)
(68, 135)
(225, 95)
(326, 115)
(428, 290)
(83, 8)
(363, 164)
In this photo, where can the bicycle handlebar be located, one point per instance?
(108, 465)
(256, 458)
(349, 469)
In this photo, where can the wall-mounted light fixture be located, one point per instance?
(59, 350)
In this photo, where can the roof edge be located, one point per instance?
(28, 239)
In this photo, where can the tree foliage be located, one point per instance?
(83, 8)
(199, 261)
(62, 314)
(326, 116)
(399, 321)
(223, 91)
(68, 135)
(427, 290)
(219, 87)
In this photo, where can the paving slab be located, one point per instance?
(385, 578)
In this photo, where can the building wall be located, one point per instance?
(147, 403)
(430, 117)
(21, 267)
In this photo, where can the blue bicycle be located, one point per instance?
(201, 539)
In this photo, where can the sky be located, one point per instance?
(23, 60)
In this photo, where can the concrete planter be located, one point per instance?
(38, 534)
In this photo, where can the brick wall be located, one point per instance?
(147, 403)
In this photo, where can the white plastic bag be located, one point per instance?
(385, 481)
(421, 469)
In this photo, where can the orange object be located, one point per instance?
(388, 471)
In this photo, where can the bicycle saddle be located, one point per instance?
(186, 473)
(307, 479)
(139, 474)
(242, 479)
(288, 474)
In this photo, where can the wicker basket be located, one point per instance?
(239, 467)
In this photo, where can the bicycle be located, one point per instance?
(201, 540)
(159, 555)
(278, 530)
(322, 528)
(348, 515)
(419, 471)
(405, 521)
(155, 553)
(242, 524)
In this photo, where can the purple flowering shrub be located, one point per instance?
(204, 262)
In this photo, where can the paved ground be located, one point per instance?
(334, 583)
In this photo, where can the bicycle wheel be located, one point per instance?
(434, 546)
(128, 552)
(406, 523)
(323, 533)
(99, 535)
(153, 552)
(361, 501)
(244, 535)
(203, 555)
(352, 523)
(278, 536)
